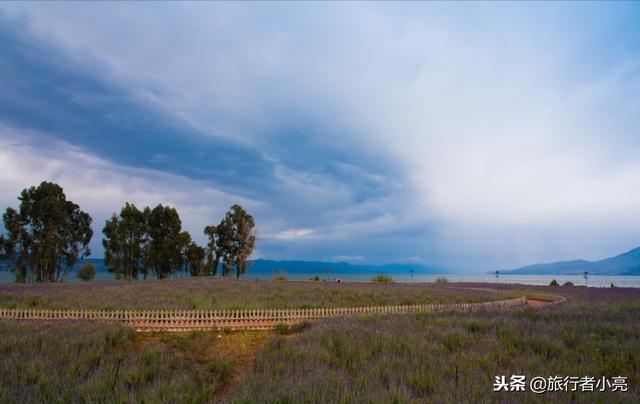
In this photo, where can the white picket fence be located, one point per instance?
(261, 319)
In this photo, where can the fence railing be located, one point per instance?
(259, 319)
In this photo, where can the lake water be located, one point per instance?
(594, 280)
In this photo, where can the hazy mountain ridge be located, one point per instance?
(624, 264)
(321, 268)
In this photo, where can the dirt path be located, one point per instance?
(536, 302)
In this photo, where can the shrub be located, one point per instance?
(301, 326)
(381, 278)
(86, 272)
(554, 283)
(477, 326)
(282, 328)
(221, 367)
(568, 283)
(442, 280)
(281, 276)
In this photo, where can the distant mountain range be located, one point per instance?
(319, 268)
(623, 264)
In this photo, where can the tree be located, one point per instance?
(381, 278)
(125, 240)
(236, 240)
(46, 236)
(86, 272)
(194, 258)
(213, 251)
(142, 242)
(167, 241)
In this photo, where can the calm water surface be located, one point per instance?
(594, 280)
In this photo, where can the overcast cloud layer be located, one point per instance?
(464, 136)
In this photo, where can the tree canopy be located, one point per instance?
(232, 241)
(125, 241)
(46, 235)
(145, 242)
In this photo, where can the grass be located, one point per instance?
(207, 293)
(453, 357)
(437, 357)
(92, 362)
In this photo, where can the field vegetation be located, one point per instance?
(453, 357)
(93, 362)
(428, 357)
(205, 293)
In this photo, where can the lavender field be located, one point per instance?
(90, 362)
(454, 357)
(428, 357)
(209, 293)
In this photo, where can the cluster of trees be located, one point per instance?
(151, 242)
(48, 235)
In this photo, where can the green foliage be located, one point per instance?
(202, 302)
(568, 283)
(194, 257)
(554, 283)
(382, 278)
(282, 328)
(280, 276)
(232, 241)
(125, 242)
(46, 236)
(478, 326)
(221, 367)
(86, 272)
(442, 280)
(145, 242)
(166, 241)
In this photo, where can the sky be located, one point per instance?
(459, 136)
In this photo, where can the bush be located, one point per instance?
(301, 326)
(282, 328)
(281, 277)
(442, 280)
(86, 272)
(381, 278)
(554, 283)
(568, 283)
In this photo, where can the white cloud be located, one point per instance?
(516, 142)
(348, 258)
(292, 234)
(101, 188)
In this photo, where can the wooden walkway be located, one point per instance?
(197, 320)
